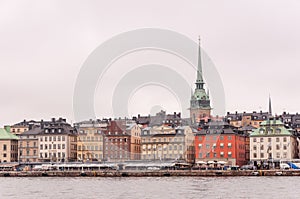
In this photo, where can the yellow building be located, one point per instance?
(8, 146)
(166, 143)
(90, 143)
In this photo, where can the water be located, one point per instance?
(151, 187)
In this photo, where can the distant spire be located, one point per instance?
(270, 105)
(208, 92)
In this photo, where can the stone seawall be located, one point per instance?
(161, 173)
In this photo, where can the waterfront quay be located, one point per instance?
(146, 173)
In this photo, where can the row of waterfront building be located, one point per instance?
(235, 139)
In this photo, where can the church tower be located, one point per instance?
(200, 102)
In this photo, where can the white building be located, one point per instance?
(272, 141)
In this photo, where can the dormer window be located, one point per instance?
(261, 131)
(46, 131)
(59, 130)
(53, 130)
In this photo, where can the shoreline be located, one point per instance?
(141, 173)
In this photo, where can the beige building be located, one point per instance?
(8, 146)
(167, 143)
(57, 142)
(89, 141)
(272, 141)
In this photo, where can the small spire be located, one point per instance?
(270, 105)
(208, 92)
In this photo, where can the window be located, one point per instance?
(277, 155)
(54, 138)
(254, 139)
(261, 155)
(207, 155)
(215, 155)
(229, 145)
(63, 146)
(277, 139)
(284, 139)
(229, 137)
(4, 147)
(222, 155)
(63, 138)
(41, 147)
(46, 139)
(207, 146)
(284, 147)
(200, 138)
(277, 147)
(261, 139)
(254, 148)
(254, 155)
(262, 147)
(269, 139)
(41, 139)
(221, 137)
(50, 138)
(50, 146)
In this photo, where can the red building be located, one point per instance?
(219, 142)
(122, 141)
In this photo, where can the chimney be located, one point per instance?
(42, 124)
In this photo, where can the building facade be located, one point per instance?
(167, 143)
(90, 140)
(28, 146)
(200, 103)
(57, 141)
(122, 141)
(272, 141)
(219, 141)
(8, 146)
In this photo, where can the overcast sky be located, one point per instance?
(255, 46)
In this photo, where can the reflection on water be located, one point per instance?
(151, 187)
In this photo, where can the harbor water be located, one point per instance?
(150, 187)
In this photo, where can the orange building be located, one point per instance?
(220, 142)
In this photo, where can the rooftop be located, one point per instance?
(4, 135)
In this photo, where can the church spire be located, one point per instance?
(199, 81)
(270, 105)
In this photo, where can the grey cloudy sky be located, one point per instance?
(255, 46)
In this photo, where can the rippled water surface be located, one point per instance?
(151, 187)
